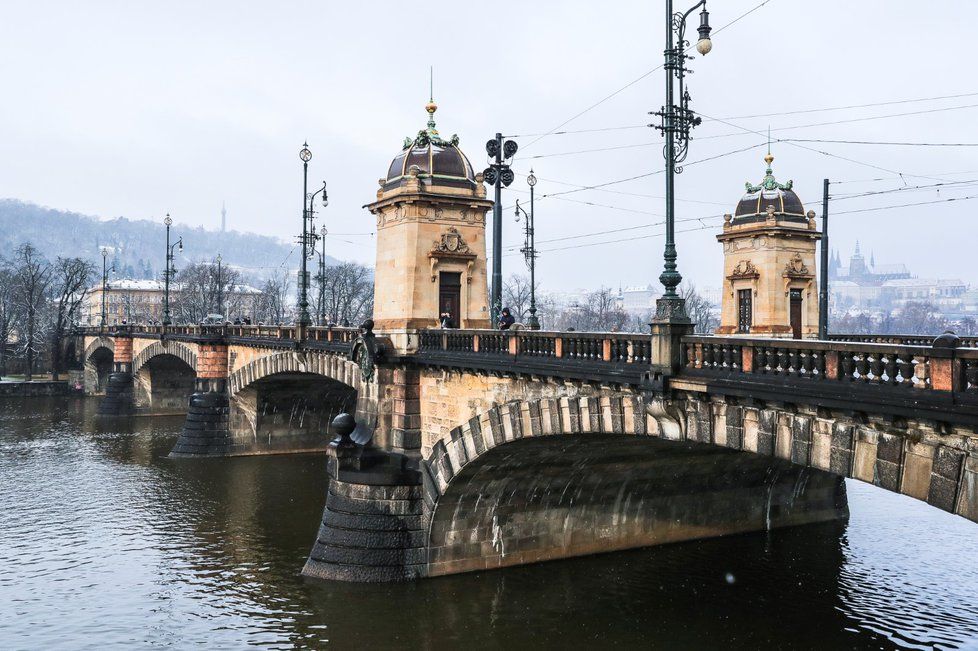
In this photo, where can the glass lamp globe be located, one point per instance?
(704, 45)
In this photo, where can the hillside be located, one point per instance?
(137, 246)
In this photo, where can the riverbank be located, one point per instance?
(36, 389)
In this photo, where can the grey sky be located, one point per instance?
(138, 108)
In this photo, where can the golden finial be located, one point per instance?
(769, 159)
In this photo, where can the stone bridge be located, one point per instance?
(473, 449)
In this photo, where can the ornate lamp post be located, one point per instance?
(168, 270)
(529, 252)
(498, 174)
(105, 280)
(322, 277)
(308, 237)
(676, 123)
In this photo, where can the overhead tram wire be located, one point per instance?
(634, 81)
(830, 123)
(758, 115)
(883, 143)
(825, 153)
(852, 106)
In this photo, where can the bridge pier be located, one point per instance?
(373, 527)
(118, 400)
(206, 433)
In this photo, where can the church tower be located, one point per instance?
(769, 287)
(431, 238)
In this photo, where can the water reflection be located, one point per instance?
(106, 543)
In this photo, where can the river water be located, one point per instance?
(107, 544)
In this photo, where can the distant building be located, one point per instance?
(638, 300)
(141, 301)
(866, 285)
(863, 274)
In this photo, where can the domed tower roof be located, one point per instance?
(755, 205)
(440, 162)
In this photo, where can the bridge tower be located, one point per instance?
(431, 238)
(769, 286)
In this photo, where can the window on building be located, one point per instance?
(745, 310)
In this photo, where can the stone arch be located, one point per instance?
(618, 472)
(837, 444)
(95, 375)
(174, 348)
(333, 367)
(101, 342)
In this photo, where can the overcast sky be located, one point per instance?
(139, 108)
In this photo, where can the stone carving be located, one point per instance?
(451, 243)
(796, 267)
(744, 269)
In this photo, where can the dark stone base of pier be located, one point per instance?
(205, 432)
(373, 524)
(118, 400)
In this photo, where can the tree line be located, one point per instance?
(40, 301)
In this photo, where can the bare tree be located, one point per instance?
(516, 296)
(7, 311)
(32, 279)
(271, 306)
(70, 282)
(204, 290)
(348, 293)
(599, 312)
(703, 315)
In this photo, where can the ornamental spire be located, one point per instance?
(768, 182)
(430, 135)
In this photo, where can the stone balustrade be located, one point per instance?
(902, 340)
(896, 367)
(613, 347)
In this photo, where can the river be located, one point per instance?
(107, 544)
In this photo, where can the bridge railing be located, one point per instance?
(598, 347)
(900, 340)
(895, 367)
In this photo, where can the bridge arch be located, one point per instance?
(482, 479)
(157, 348)
(334, 367)
(164, 375)
(97, 362)
(536, 480)
(285, 401)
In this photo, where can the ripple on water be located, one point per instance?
(108, 544)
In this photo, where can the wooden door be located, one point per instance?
(796, 313)
(745, 310)
(450, 295)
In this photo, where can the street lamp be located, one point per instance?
(498, 174)
(168, 270)
(322, 277)
(308, 237)
(105, 279)
(676, 123)
(529, 252)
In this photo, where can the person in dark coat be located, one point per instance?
(506, 320)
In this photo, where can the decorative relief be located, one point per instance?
(451, 243)
(451, 246)
(744, 269)
(796, 267)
